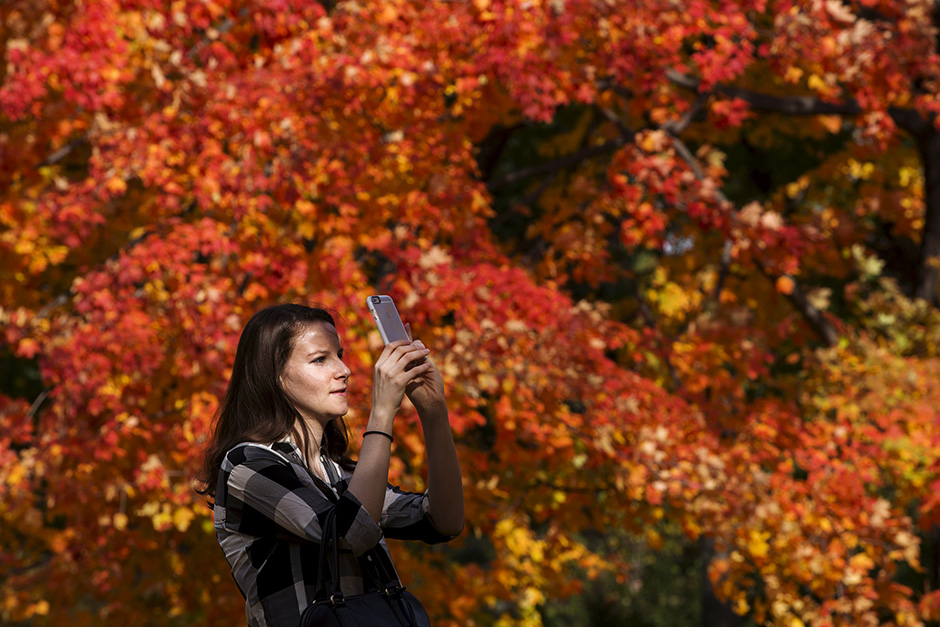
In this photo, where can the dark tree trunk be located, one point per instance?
(928, 143)
(928, 272)
(932, 550)
(715, 613)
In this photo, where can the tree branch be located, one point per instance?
(557, 164)
(676, 127)
(817, 320)
(689, 158)
(909, 120)
(63, 152)
(791, 105)
(650, 321)
(491, 148)
(625, 131)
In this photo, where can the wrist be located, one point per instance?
(433, 415)
(384, 434)
(380, 421)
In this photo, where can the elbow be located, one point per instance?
(452, 530)
(450, 526)
(356, 528)
(447, 517)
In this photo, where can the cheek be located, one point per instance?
(302, 383)
(291, 383)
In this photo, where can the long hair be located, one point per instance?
(255, 407)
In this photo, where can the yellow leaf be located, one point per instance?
(182, 518)
(306, 230)
(757, 544)
(116, 185)
(305, 207)
(793, 74)
(653, 141)
(816, 83)
(40, 607)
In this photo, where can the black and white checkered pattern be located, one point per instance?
(268, 510)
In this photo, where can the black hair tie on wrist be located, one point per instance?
(391, 439)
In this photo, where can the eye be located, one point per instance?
(318, 360)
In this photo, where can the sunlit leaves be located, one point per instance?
(631, 355)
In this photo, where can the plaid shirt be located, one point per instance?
(268, 509)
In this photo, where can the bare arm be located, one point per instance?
(445, 486)
(370, 478)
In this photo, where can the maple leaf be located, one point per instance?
(665, 251)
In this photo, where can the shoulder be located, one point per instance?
(253, 453)
(253, 468)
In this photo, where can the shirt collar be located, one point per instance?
(286, 446)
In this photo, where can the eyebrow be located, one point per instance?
(324, 351)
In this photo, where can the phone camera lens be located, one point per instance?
(375, 299)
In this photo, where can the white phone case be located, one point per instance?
(386, 318)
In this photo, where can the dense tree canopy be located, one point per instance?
(679, 263)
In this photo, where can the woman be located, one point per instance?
(276, 462)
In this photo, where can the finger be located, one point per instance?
(412, 358)
(408, 330)
(413, 373)
(391, 347)
(404, 350)
(401, 358)
(396, 344)
(390, 361)
(416, 355)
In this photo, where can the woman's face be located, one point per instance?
(315, 376)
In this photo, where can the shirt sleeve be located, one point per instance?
(269, 487)
(407, 516)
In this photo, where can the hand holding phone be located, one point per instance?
(386, 318)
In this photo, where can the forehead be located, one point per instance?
(316, 335)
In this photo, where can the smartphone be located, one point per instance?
(386, 318)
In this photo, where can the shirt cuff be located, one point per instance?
(354, 525)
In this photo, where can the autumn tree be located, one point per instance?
(679, 262)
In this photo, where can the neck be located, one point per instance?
(310, 445)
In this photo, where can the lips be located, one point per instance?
(343, 392)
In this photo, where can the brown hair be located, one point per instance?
(255, 407)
